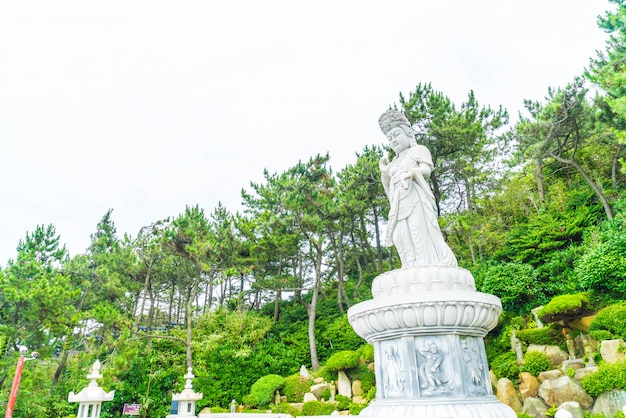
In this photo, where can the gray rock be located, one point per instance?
(554, 353)
(344, 387)
(608, 403)
(564, 389)
(580, 373)
(550, 374)
(573, 408)
(318, 389)
(573, 364)
(535, 408)
(609, 350)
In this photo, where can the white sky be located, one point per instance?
(148, 106)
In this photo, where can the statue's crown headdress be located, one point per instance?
(391, 119)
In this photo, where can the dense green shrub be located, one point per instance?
(608, 377)
(356, 408)
(318, 408)
(514, 283)
(612, 318)
(343, 402)
(601, 335)
(341, 336)
(263, 390)
(541, 336)
(505, 365)
(343, 360)
(371, 394)
(367, 352)
(535, 362)
(295, 387)
(603, 266)
(565, 307)
(285, 408)
(326, 374)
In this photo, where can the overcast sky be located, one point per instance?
(148, 106)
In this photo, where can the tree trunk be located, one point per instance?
(539, 175)
(605, 203)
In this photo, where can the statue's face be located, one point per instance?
(398, 139)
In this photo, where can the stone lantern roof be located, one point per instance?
(188, 393)
(93, 392)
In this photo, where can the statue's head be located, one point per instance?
(392, 119)
(397, 128)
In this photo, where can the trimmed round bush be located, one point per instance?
(612, 318)
(565, 307)
(505, 365)
(295, 387)
(608, 377)
(356, 408)
(318, 408)
(541, 336)
(263, 390)
(343, 402)
(343, 360)
(535, 362)
(601, 335)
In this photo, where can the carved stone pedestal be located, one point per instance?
(427, 326)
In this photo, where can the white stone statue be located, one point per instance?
(413, 226)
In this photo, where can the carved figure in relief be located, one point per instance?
(473, 364)
(394, 377)
(430, 373)
(413, 227)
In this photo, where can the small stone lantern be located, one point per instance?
(90, 399)
(187, 398)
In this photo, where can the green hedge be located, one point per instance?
(612, 318)
(295, 387)
(535, 362)
(318, 408)
(263, 390)
(343, 360)
(541, 336)
(505, 365)
(565, 307)
(608, 377)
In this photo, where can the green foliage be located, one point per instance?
(570, 372)
(365, 375)
(343, 402)
(295, 387)
(343, 360)
(371, 394)
(541, 336)
(601, 335)
(603, 267)
(535, 362)
(505, 365)
(608, 377)
(286, 408)
(355, 409)
(523, 415)
(514, 283)
(367, 352)
(318, 408)
(341, 336)
(611, 318)
(263, 390)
